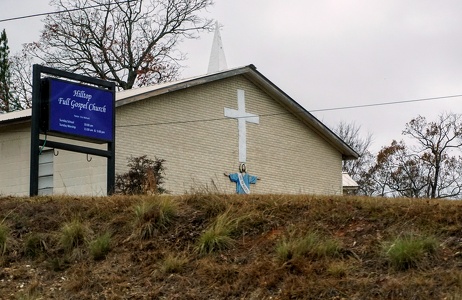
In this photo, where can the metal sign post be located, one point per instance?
(102, 130)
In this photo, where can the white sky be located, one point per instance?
(329, 53)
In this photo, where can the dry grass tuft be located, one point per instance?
(173, 263)
(73, 235)
(210, 205)
(34, 245)
(218, 236)
(4, 235)
(153, 214)
(311, 245)
(340, 268)
(100, 246)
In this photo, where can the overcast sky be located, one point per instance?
(329, 54)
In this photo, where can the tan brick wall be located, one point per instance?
(14, 160)
(73, 175)
(189, 130)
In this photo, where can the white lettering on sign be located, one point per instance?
(93, 107)
(82, 94)
(75, 104)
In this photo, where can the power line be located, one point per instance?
(384, 103)
(59, 12)
(313, 110)
(173, 122)
(288, 113)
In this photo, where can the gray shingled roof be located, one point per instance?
(250, 72)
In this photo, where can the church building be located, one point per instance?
(204, 128)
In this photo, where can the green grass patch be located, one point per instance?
(100, 246)
(409, 250)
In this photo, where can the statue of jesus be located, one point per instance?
(242, 180)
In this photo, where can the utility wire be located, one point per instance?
(288, 113)
(313, 110)
(385, 103)
(59, 12)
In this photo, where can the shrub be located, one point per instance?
(409, 250)
(152, 215)
(100, 246)
(145, 176)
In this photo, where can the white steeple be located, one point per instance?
(217, 56)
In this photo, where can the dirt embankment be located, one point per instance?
(230, 247)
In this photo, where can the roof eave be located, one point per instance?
(15, 117)
(183, 84)
(251, 73)
(15, 121)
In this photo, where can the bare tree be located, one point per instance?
(399, 172)
(131, 42)
(21, 81)
(429, 168)
(351, 134)
(435, 142)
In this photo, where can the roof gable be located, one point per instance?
(250, 72)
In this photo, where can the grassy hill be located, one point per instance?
(207, 246)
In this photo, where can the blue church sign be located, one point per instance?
(76, 107)
(81, 111)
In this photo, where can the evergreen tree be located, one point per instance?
(5, 74)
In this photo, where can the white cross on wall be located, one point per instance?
(242, 117)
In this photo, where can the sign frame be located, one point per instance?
(40, 123)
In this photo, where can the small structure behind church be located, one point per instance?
(349, 185)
